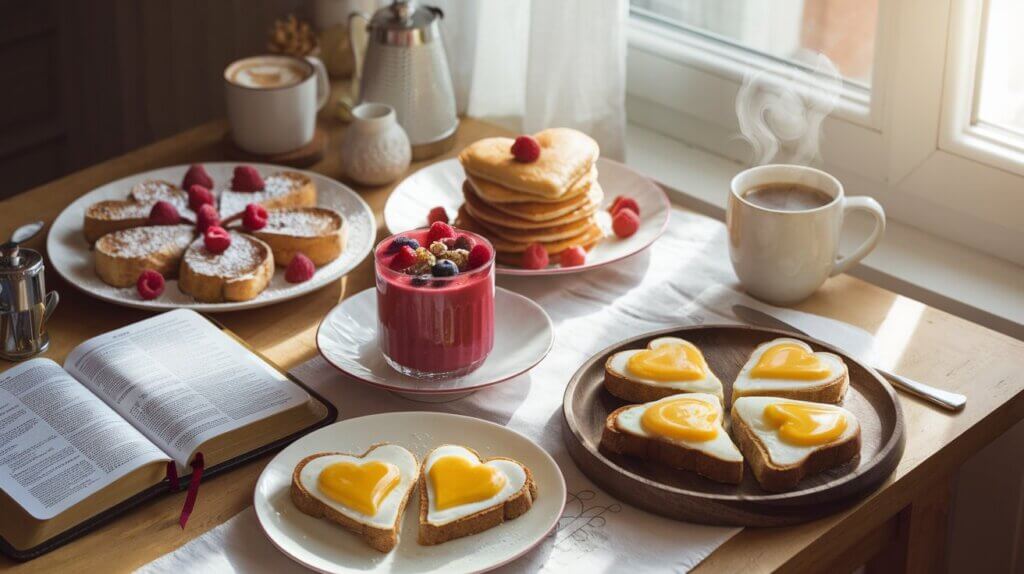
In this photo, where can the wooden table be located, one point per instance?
(901, 524)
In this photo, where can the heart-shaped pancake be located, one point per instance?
(462, 494)
(565, 156)
(533, 215)
(499, 195)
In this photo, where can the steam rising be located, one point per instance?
(780, 115)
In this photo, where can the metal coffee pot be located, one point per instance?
(25, 306)
(405, 67)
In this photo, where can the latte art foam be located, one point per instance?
(267, 74)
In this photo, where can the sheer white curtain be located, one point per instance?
(532, 64)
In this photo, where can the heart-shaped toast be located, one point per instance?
(364, 493)
(239, 273)
(789, 368)
(120, 256)
(566, 155)
(462, 494)
(669, 365)
(111, 215)
(281, 189)
(316, 232)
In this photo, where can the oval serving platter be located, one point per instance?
(686, 496)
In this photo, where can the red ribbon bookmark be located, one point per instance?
(193, 489)
(172, 474)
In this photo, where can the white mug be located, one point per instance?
(782, 257)
(273, 110)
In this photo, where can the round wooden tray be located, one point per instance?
(686, 496)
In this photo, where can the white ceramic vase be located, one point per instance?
(375, 149)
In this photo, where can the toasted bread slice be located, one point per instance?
(716, 458)
(104, 217)
(240, 273)
(779, 464)
(120, 256)
(154, 190)
(630, 386)
(282, 189)
(823, 376)
(379, 530)
(316, 232)
(514, 499)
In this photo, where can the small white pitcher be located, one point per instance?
(375, 149)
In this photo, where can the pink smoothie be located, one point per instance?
(434, 327)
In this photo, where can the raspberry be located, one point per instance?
(199, 196)
(525, 149)
(535, 257)
(479, 256)
(150, 284)
(254, 217)
(573, 257)
(437, 214)
(300, 269)
(216, 239)
(463, 242)
(405, 258)
(438, 231)
(623, 202)
(246, 178)
(206, 217)
(625, 223)
(164, 213)
(196, 175)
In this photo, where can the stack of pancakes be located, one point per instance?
(551, 201)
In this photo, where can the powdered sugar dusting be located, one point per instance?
(232, 202)
(302, 221)
(142, 241)
(151, 191)
(112, 210)
(241, 258)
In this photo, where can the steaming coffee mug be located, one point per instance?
(784, 226)
(272, 101)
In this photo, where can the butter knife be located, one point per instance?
(945, 399)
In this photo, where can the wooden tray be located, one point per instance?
(686, 496)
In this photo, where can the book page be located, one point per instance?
(59, 443)
(181, 381)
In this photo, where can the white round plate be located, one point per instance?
(326, 547)
(441, 184)
(72, 258)
(347, 338)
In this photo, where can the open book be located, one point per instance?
(77, 440)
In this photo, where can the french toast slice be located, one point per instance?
(120, 256)
(240, 273)
(316, 232)
(111, 215)
(281, 189)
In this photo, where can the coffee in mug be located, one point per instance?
(784, 227)
(272, 102)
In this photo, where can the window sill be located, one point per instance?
(943, 274)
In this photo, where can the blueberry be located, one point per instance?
(464, 242)
(444, 268)
(399, 242)
(420, 280)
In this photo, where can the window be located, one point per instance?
(930, 118)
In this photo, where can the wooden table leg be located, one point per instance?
(923, 527)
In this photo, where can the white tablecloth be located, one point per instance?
(684, 278)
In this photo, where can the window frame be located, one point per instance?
(908, 144)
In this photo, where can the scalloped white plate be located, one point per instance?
(441, 184)
(71, 256)
(326, 547)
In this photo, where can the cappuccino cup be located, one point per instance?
(784, 227)
(272, 101)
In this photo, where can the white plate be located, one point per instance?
(70, 254)
(347, 338)
(441, 184)
(326, 547)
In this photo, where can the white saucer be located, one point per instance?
(441, 184)
(72, 257)
(347, 338)
(326, 547)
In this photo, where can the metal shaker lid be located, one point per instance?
(17, 262)
(405, 23)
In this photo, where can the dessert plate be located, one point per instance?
(71, 257)
(325, 547)
(441, 184)
(347, 338)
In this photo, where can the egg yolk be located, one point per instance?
(360, 487)
(789, 361)
(459, 481)
(684, 418)
(806, 425)
(669, 362)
